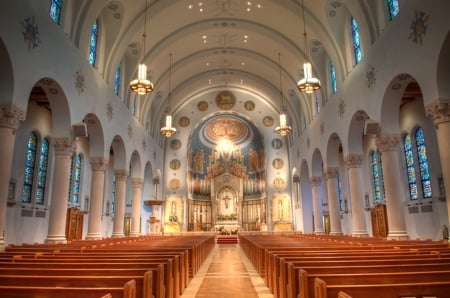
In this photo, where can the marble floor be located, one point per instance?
(227, 272)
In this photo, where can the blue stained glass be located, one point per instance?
(29, 168)
(356, 41)
(410, 170)
(55, 11)
(339, 189)
(333, 82)
(93, 43)
(133, 107)
(70, 178)
(77, 179)
(377, 176)
(423, 163)
(317, 102)
(394, 8)
(113, 195)
(42, 175)
(117, 79)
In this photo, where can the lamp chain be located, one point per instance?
(281, 90)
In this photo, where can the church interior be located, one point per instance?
(267, 123)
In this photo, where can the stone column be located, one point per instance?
(119, 212)
(439, 112)
(333, 206)
(353, 163)
(63, 148)
(388, 146)
(98, 166)
(137, 184)
(10, 118)
(316, 181)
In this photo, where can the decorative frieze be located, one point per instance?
(137, 182)
(353, 160)
(99, 163)
(316, 180)
(121, 174)
(11, 116)
(332, 173)
(439, 111)
(63, 146)
(387, 142)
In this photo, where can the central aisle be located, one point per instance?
(227, 272)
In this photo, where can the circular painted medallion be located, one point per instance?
(278, 163)
(249, 105)
(277, 143)
(278, 183)
(268, 121)
(232, 128)
(184, 121)
(175, 164)
(202, 106)
(174, 184)
(225, 100)
(175, 144)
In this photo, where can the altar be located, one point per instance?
(231, 226)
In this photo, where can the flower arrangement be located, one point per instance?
(222, 217)
(173, 218)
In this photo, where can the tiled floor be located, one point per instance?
(227, 272)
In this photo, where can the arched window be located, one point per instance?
(409, 157)
(333, 84)
(356, 43)
(93, 43)
(55, 10)
(75, 179)
(393, 8)
(377, 176)
(117, 79)
(42, 174)
(133, 107)
(423, 164)
(339, 190)
(30, 162)
(316, 102)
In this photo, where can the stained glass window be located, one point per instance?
(339, 190)
(77, 179)
(423, 163)
(333, 84)
(113, 195)
(356, 41)
(93, 43)
(316, 102)
(29, 168)
(42, 175)
(117, 79)
(411, 173)
(133, 107)
(394, 8)
(71, 178)
(377, 176)
(55, 11)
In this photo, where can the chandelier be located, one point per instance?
(283, 129)
(308, 84)
(141, 85)
(168, 130)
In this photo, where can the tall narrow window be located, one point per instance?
(423, 163)
(356, 41)
(339, 190)
(93, 43)
(55, 11)
(42, 174)
(77, 179)
(316, 102)
(333, 84)
(377, 176)
(113, 195)
(117, 79)
(133, 107)
(409, 156)
(393, 8)
(30, 162)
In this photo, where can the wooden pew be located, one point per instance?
(393, 290)
(128, 290)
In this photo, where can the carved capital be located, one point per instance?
(332, 173)
(63, 146)
(353, 160)
(387, 142)
(99, 163)
(439, 111)
(137, 182)
(11, 116)
(316, 180)
(121, 174)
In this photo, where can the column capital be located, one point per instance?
(316, 180)
(439, 111)
(332, 172)
(99, 163)
(11, 116)
(137, 182)
(353, 160)
(63, 146)
(121, 174)
(387, 142)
